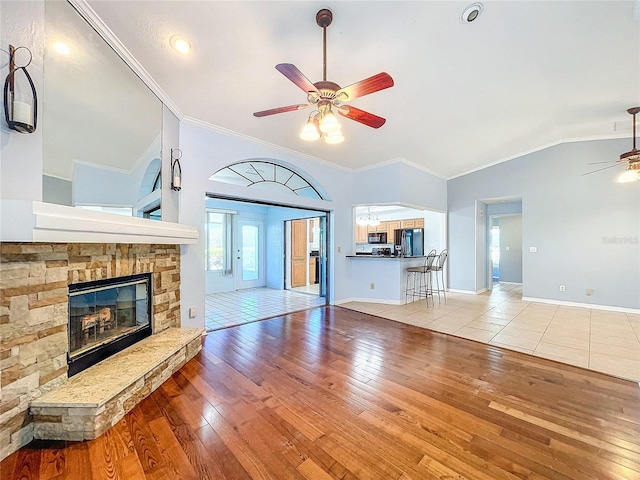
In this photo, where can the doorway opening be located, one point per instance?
(505, 249)
(249, 272)
(304, 271)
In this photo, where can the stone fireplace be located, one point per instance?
(35, 282)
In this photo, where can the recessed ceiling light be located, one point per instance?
(62, 48)
(180, 44)
(470, 13)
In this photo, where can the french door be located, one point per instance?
(249, 254)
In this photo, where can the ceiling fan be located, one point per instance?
(631, 158)
(324, 95)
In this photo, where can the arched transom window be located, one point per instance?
(266, 175)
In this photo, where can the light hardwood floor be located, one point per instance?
(331, 393)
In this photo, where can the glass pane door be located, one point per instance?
(250, 252)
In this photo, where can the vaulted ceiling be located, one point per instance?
(522, 76)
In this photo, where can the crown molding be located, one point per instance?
(92, 18)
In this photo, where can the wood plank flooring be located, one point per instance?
(336, 394)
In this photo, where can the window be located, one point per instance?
(219, 242)
(154, 213)
(266, 175)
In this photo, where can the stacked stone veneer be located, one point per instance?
(34, 287)
(93, 401)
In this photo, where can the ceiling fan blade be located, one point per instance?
(600, 169)
(288, 108)
(296, 76)
(361, 116)
(365, 87)
(606, 161)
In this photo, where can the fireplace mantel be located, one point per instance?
(32, 221)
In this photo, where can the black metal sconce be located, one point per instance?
(176, 169)
(20, 105)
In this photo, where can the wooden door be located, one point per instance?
(298, 253)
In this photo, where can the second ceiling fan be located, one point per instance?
(324, 95)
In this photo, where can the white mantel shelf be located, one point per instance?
(31, 221)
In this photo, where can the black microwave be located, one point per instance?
(377, 237)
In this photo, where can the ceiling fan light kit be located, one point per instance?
(323, 95)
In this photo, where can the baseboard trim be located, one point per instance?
(582, 305)
(465, 292)
(384, 301)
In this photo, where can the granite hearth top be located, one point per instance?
(98, 384)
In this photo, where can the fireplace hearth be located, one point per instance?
(106, 316)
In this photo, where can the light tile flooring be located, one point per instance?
(244, 306)
(599, 340)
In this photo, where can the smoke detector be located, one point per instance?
(470, 13)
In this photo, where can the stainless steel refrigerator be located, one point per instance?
(409, 242)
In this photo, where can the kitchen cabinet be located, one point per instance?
(419, 222)
(361, 234)
(312, 270)
(391, 226)
(409, 223)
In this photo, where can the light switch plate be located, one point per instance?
(193, 312)
(533, 249)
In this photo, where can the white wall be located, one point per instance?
(585, 228)
(22, 24)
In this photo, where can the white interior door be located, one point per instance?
(249, 254)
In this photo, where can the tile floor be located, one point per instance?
(599, 340)
(244, 306)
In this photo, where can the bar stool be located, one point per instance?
(421, 276)
(439, 267)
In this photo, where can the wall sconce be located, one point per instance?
(20, 104)
(176, 169)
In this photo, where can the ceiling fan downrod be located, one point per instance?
(632, 156)
(324, 18)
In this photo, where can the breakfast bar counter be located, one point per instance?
(380, 278)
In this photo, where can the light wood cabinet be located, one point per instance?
(409, 223)
(419, 223)
(391, 226)
(312, 270)
(361, 234)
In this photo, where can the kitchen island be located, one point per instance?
(385, 273)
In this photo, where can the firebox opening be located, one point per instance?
(106, 316)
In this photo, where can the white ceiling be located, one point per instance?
(522, 76)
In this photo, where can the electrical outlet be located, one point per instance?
(372, 286)
(589, 291)
(563, 288)
(339, 249)
(193, 311)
